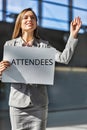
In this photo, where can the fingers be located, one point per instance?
(4, 65)
(75, 26)
(77, 21)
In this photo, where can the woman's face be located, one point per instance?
(28, 22)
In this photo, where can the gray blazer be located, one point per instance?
(27, 95)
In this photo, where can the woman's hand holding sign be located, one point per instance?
(3, 66)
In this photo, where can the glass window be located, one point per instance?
(17, 6)
(54, 13)
(0, 10)
(80, 3)
(0, 15)
(54, 16)
(81, 14)
(58, 1)
(80, 10)
(55, 25)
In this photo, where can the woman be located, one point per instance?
(29, 103)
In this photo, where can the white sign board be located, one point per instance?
(29, 65)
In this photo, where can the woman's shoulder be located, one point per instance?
(12, 42)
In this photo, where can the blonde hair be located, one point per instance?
(17, 28)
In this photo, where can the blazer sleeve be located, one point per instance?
(65, 56)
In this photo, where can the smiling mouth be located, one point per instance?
(29, 23)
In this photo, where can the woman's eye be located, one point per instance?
(31, 17)
(25, 17)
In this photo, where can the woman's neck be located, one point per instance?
(27, 37)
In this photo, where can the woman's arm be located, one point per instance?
(65, 56)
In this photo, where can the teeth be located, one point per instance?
(28, 23)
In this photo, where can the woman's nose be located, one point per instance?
(29, 18)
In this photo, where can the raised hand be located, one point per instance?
(75, 26)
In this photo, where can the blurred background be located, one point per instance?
(69, 91)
